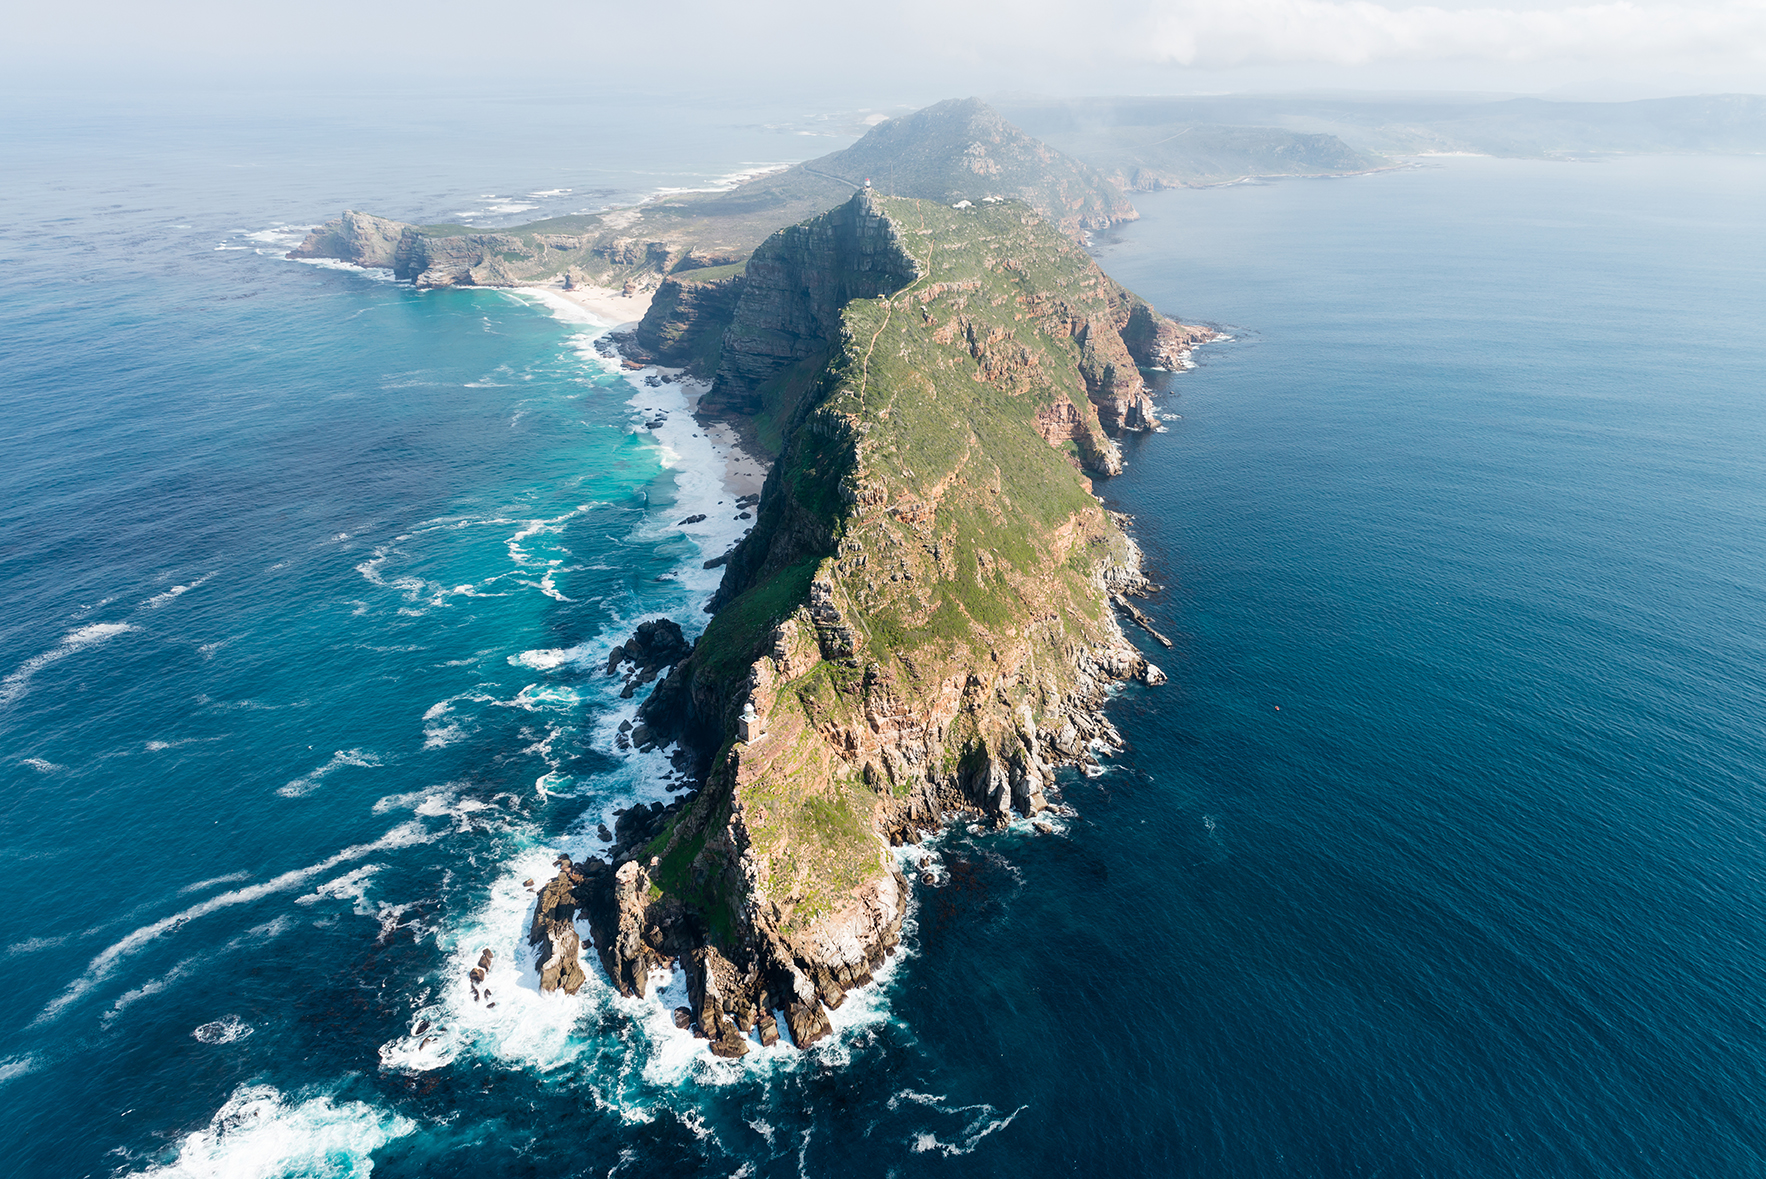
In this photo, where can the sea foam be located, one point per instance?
(106, 962)
(261, 1134)
(309, 782)
(14, 686)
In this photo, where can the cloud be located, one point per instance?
(812, 48)
(1360, 33)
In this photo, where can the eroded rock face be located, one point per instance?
(361, 239)
(685, 324)
(795, 286)
(553, 933)
(1153, 340)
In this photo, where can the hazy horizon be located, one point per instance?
(914, 52)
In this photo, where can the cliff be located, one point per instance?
(919, 626)
(800, 281)
(952, 151)
(685, 322)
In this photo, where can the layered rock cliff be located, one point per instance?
(918, 628)
(685, 322)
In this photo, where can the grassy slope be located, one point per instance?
(982, 536)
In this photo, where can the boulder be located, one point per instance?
(807, 1021)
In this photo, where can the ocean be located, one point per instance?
(1440, 853)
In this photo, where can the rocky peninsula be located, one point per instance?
(921, 625)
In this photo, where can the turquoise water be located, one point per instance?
(1440, 852)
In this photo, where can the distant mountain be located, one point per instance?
(1100, 130)
(962, 149)
(1141, 158)
(950, 152)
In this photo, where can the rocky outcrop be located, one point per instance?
(1151, 339)
(361, 239)
(655, 646)
(553, 932)
(685, 323)
(431, 258)
(919, 628)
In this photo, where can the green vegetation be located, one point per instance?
(983, 537)
(739, 629)
(710, 273)
(947, 539)
(682, 873)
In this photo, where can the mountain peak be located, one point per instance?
(962, 149)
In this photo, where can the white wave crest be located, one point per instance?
(33, 944)
(981, 1120)
(260, 1134)
(229, 878)
(184, 969)
(14, 1067)
(177, 591)
(14, 686)
(226, 1030)
(545, 660)
(543, 698)
(377, 273)
(351, 886)
(101, 967)
(305, 785)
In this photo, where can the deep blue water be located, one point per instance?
(1441, 853)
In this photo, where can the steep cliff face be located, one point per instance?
(686, 320)
(429, 258)
(920, 621)
(359, 238)
(797, 284)
(802, 277)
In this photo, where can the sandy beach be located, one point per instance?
(614, 308)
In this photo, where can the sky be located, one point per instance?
(911, 48)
